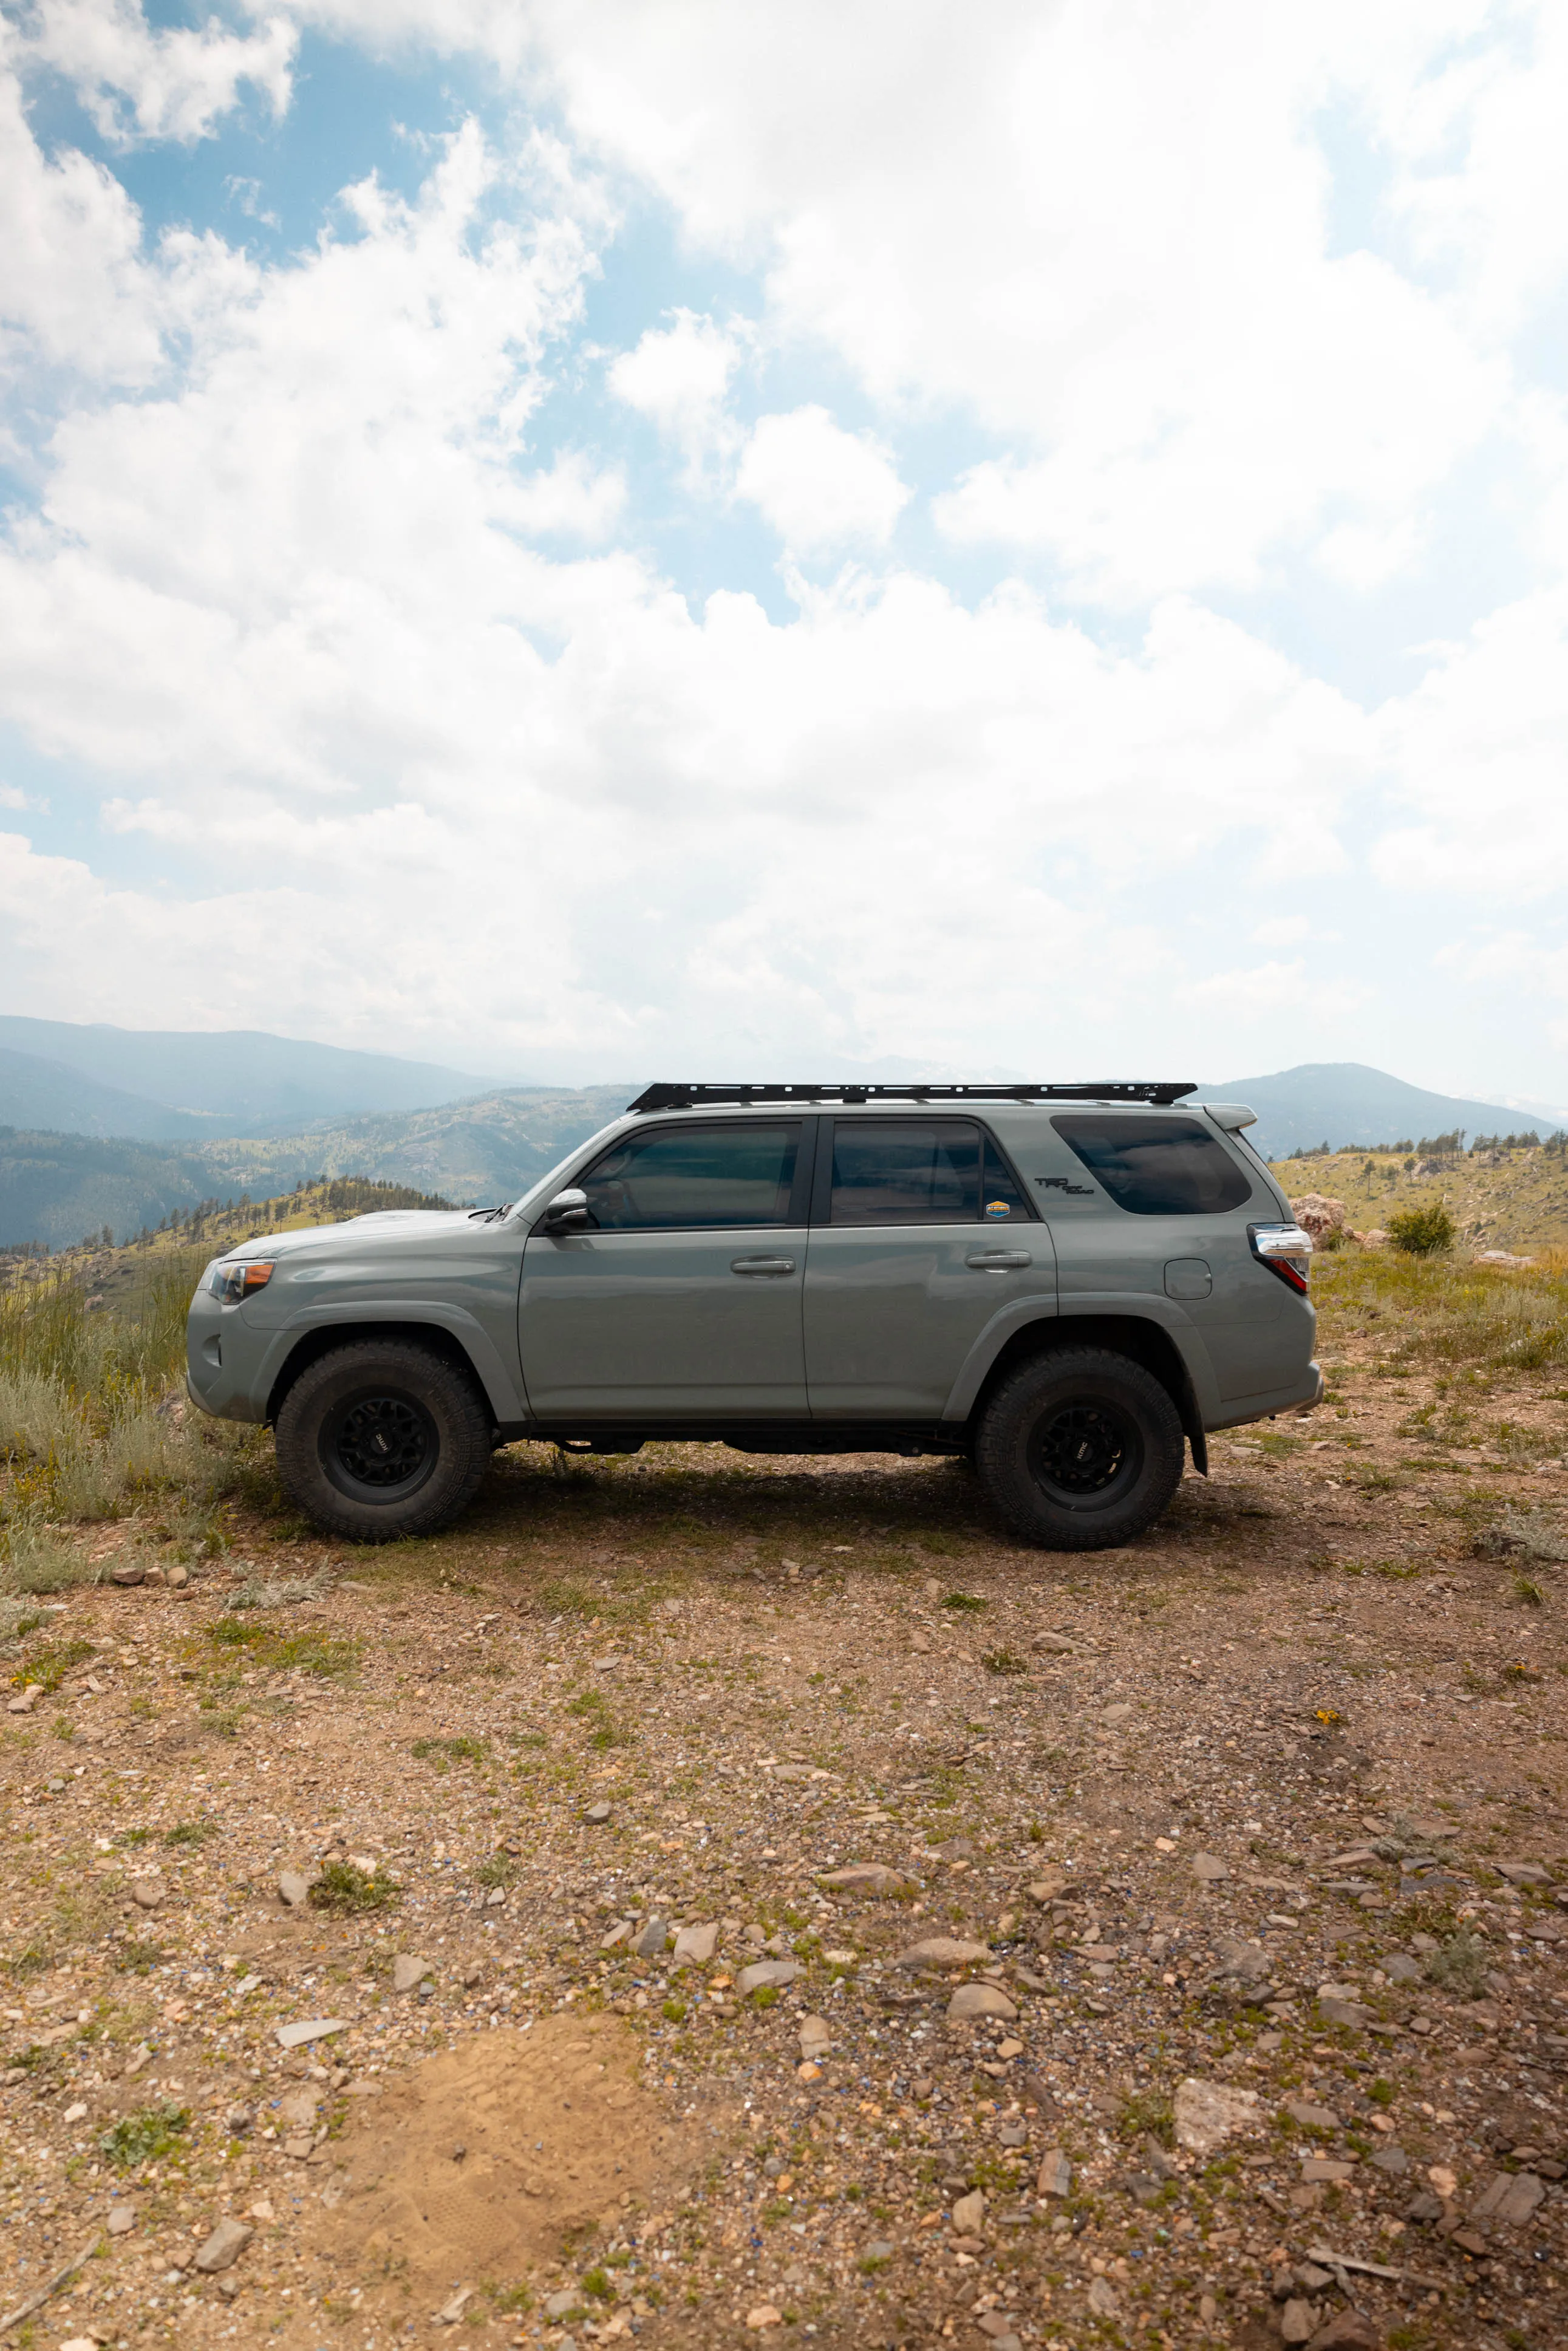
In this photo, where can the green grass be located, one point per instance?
(192, 1833)
(445, 1751)
(962, 1600)
(310, 1651)
(145, 2137)
(346, 1891)
(1442, 1313)
(50, 1662)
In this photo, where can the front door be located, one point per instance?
(921, 1234)
(682, 1299)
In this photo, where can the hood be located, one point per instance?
(382, 1224)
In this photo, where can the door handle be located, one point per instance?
(762, 1265)
(999, 1261)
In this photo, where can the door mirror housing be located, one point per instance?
(567, 1212)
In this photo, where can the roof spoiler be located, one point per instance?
(675, 1097)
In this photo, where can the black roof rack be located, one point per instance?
(1145, 1090)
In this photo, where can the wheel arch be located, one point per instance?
(1135, 1336)
(325, 1339)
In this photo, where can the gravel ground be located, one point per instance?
(1242, 1855)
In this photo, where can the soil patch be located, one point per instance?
(474, 2166)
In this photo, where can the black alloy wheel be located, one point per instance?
(1079, 1448)
(381, 1439)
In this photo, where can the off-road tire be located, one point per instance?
(380, 1439)
(1080, 1450)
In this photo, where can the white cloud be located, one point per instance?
(679, 378)
(173, 82)
(574, 499)
(817, 485)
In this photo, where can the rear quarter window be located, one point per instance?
(1156, 1166)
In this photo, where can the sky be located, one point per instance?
(646, 537)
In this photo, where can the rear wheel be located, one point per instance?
(382, 1439)
(1080, 1450)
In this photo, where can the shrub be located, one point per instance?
(1461, 1964)
(1423, 1232)
(346, 1889)
(142, 2139)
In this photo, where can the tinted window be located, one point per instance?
(1156, 1166)
(679, 1178)
(919, 1172)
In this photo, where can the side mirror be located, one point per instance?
(567, 1212)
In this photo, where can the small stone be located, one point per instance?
(408, 1970)
(27, 1701)
(1509, 2198)
(179, 1577)
(299, 2110)
(1209, 1869)
(1523, 1873)
(74, 2114)
(1055, 2175)
(1311, 2117)
(969, 2213)
(972, 1999)
(879, 2250)
(238, 2120)
(1347, 2330)
(1298, 2321)
(293, 1890)
(765, 1975)
(223, 2247)
(556, 2305)
(128, 1572)
(1114, 1714)
(1401, 1969)
(1326, 2167)
(597, 1814)
(121, 2220)
(1392, 2160)
(870, 1877)
(694, 1946)
(1103, 2299)
(816, 2034)
(1207, 2113)
(1336, 2011)
(655, 1934)
(316, 2028)
(1051, 1645)
(473, 1976)
(764, 2315)
(450, 2312)
(943, 1952)
(147, 1892)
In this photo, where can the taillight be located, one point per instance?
(1285, 1249)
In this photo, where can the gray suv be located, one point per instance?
(1062, 1283)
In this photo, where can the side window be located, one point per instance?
(1001, 1198)
(688, 1178)
(1156, 1166)
(906, 1172)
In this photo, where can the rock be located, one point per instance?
(1311, 2117)
(1209, 1867)
(1401, 1969)
(27, 1701)
(1523, 1873)
(223, 2247)
(408, 1970)
(655, 1934)
(764, 2315)
(881, 2249)
(1392, 2160)
(1509, 2197)
(1326, 2167)
(972, 1999)
(1053, 1645)
(147, 1892)
(597, 1814)
(558, 2305)
(765, 1975)
(127, 1572)
(1207, 2113)
(316, 2028)
(1241, 1963)
(1318, 1216)
(873, 1877)
(969, 2213)
(1103, 2299)
(1055, 2178)
(293, 1891)
(694, 1946)
(299, 2110)
(1347, 2330)
(452, 2312)
(1298, 2321)
(238, 2120)
(121, 2220)
(816, 2034)
(179, 1577)
(1334, 2010)
(943, 1952)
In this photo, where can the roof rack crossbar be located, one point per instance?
(1143, 1089)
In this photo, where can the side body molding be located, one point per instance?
(1144, 1307)
(502, 1385)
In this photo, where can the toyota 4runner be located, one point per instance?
(1064, 1283)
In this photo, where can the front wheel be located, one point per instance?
(1080, 1450)
(382, 1439)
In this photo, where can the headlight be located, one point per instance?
(233, 1283)
(1285, 1249)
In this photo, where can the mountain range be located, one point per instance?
(103, 1126)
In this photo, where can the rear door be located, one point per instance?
(921, 1233)
(682, 1300)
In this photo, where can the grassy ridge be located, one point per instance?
(1508, 1199)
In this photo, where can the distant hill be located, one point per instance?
(227, 1080)
(489, 1148)
(1340, 1102)
(36, 1094)
(58, 1188)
